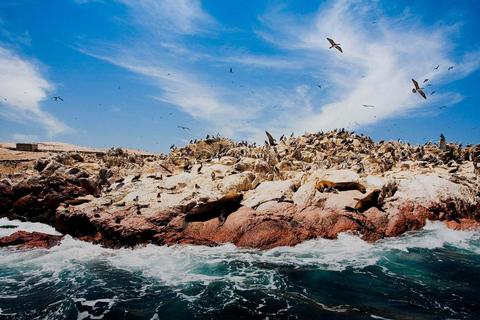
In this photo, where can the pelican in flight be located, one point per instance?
(418, 89)
(58, 98)
(334, 45)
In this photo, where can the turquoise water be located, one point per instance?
(430, 274)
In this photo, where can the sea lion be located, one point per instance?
(339, 186)
(371, 200)
(217, 209)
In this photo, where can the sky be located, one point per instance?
(131, 73)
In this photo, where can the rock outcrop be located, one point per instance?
(125, 200)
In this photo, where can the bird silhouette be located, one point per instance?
(426, 80)
(432, 92)
(184, 128)
(334, 45)
(319, 86)
(57, 98)
(451, 68)
(436, 67)
(368, 105)
(442, 107)
(418, 89)
(270, 139)
(231, 70)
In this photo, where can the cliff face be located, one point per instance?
(125, 200)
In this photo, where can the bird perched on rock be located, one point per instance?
(442, 142)
(334, 45)
(270, 139)
(418, 89)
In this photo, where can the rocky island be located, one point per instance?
(217, 191)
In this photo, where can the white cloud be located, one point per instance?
(171, 16)
(18, 137)
(376, 67)
(22, 88)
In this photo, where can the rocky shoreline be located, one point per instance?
(126, 200)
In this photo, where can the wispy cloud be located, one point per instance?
(171, 16)
(279, 93)
(22, 88)
(380, 57)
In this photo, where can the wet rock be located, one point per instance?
(30, 240)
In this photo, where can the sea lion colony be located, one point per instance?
(157, 194)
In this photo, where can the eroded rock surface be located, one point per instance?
(125, 200)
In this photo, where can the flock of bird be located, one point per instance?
(336, 46)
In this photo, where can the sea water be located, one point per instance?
(429, 274)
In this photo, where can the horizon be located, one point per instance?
(133, 73)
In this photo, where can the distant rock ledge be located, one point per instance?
(126, 200)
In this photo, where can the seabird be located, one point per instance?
(56, 98)
(368, 105)
(334, 45)
(184, 128)
(418, 89)
(450, 68)
(442, 107)
(432, 92)
(231, 70)
(426, 80)
(442, 142)
(270, 139)
(319, 86)
(436, 67)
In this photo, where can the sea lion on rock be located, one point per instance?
(339, 186)
(371, 200)
(217, 209)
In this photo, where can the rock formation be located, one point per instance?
(122, 199)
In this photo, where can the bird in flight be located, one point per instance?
(418, 89)
(183, 128)
(436, 67)
(432, 92)
(231, 70)
(334, 45)
(319, 86)
(442, 107)
(426, 80)
(57, 98)
(368, 105)
(450, 68)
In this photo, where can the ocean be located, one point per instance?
(429, 274)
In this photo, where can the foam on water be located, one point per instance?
(192, 271)
(17, 225)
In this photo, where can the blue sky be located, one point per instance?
(131, 71)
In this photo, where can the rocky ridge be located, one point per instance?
(122, 199)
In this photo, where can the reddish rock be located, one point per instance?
(30, 240)
(24, 204)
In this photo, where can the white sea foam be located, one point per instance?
(25, 226)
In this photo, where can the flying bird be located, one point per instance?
(429, 85)
(426, 80)
(319, 86)
(418, 89)
(442, 107)
(231, 70)
(58, 98)
(270, 139)
(334, 45)
(184, 128)
(368, 105)
(436, 67)
(450, 68)
(432, 92)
